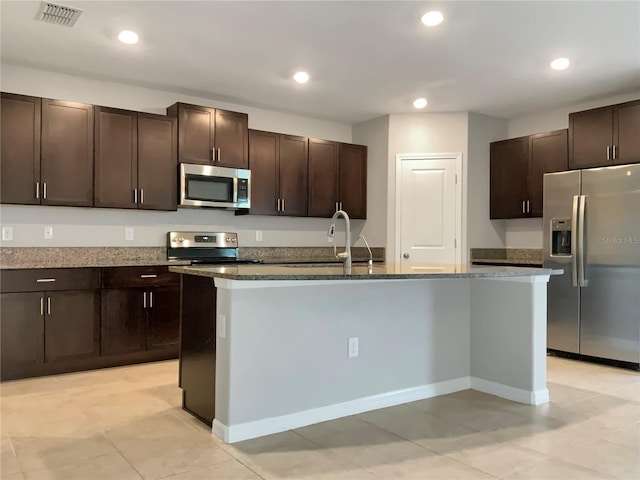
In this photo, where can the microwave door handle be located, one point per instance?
(235, 189)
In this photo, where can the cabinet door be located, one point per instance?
(20, 165)
(196, 127)
(72, 325)
(124, 320)
(263, 162)
(116, 158)
(164, 317)
(509, 164)
(293, 175)
(67, 153)
(232, 139)
(627, 132)
(157, 162)
(22, 334)
(548, 153)
(590, 135)
(323, 177)
(352, 180)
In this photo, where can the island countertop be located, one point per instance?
(387, 271)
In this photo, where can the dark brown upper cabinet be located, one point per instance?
(135, 160)
(517, 170)
(605, 136)
(279, 174)
(211, 136)
(66, 162)
(337, 178)
(20, 165)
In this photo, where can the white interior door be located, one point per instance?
(429, 210)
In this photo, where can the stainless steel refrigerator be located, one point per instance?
(592, 230)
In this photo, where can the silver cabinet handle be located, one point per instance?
(41, 306)
(48, 305)
(135, 196)
(219, 155)
(283, 209)
(37, 189)
(608, 152)
(523, 204)
(44, 190)
(337, 207)
(141, 196)
(615, 152)
(340, 205)
(213, 155)
(278, 204)
(406, 255)
(148, 275)
(528, 206)
(150, 299)
(45, 280)
(144, 299)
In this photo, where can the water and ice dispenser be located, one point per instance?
(561, 237)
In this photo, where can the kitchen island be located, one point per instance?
(284, 353)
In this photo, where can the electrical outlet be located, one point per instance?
(353, 347)
(48, 232)
(258, 235)
(128, 234)
(7, 234)
(221, 326)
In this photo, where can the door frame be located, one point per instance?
(457, 158)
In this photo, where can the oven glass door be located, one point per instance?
(209, 189)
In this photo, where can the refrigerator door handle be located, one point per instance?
(574, 243)
(582, 279)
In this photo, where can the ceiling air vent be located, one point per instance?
(58, 14)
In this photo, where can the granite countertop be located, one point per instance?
(358, 272)
(507, 256)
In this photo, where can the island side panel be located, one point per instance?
(284, 355)
(508, 337)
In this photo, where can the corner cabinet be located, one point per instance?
(211, 136)
(605, 136)
(279, 173)
(135, 160)
(337, 179)
(517, 170)
(47, 152)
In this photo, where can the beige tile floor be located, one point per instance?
(126, 423)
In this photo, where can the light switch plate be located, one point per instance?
(128, 234)
(48, 232)
(258, 235)
(7, 234)
(353, 347)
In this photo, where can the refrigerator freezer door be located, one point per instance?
(563, 300)
(610, 299)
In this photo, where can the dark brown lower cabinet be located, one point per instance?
(164, 317)
(124, 324)
(21, 334)
(198, 347)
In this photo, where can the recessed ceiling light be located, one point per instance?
(560, 63)
(420, 102)
(128, 37)
(301, 77)
(431, 19)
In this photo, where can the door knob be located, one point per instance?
(406, 255)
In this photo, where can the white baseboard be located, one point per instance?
(537, 397)
(267, 426)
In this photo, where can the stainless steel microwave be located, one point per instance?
(216, 187)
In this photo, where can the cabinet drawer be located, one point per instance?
(138, 277)
(49, 279)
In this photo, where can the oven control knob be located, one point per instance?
(233, 240)
(180, 239)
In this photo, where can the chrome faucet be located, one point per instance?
(346, 255)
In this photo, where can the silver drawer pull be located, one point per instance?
(150, 275)
(45, 280)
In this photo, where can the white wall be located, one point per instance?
(96, 227)
(482, 232)
(375, 134)
(527, 233)
(424, 133)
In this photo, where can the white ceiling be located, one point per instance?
(365, 58)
